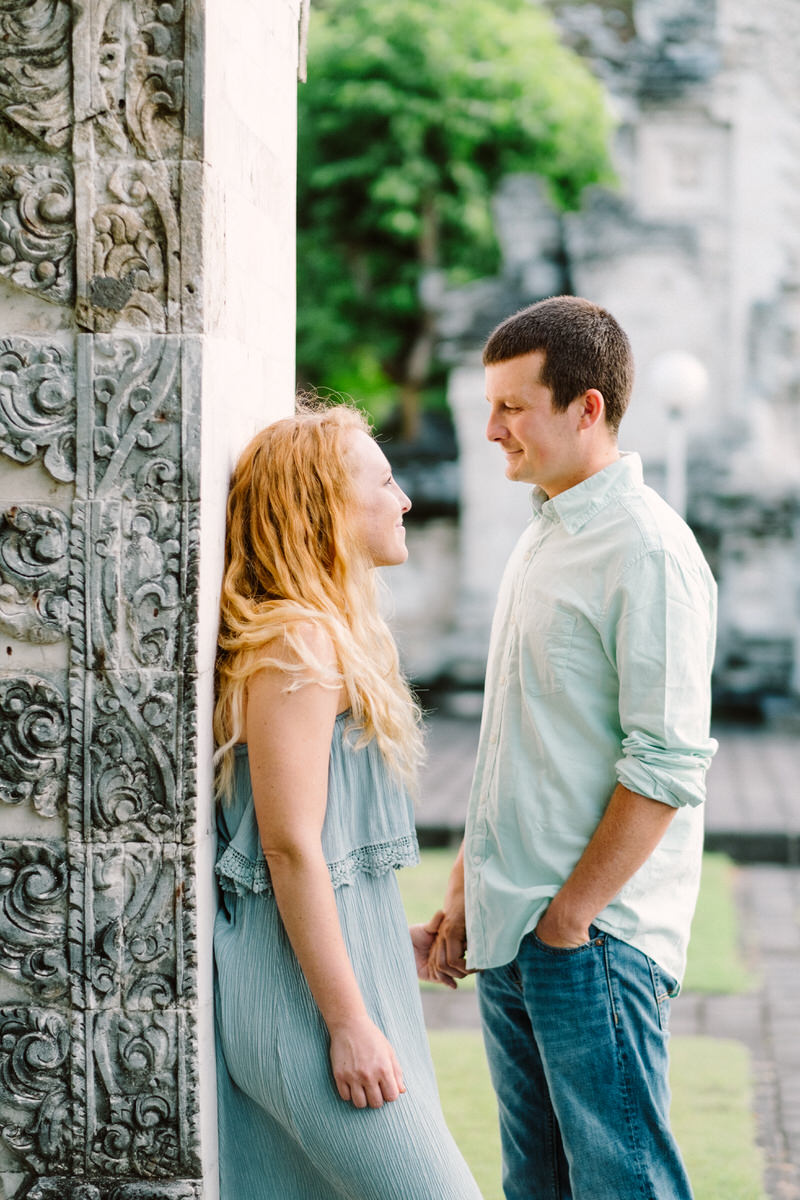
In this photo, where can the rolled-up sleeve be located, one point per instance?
(664, 648)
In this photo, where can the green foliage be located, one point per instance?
(411, 115)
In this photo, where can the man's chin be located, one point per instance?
(515, 469)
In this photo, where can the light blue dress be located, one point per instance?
(284, 1132)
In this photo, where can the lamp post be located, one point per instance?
(679, 382)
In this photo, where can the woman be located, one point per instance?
(326, 1088)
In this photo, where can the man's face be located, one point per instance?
(540, 444)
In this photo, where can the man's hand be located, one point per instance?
(447, 959)
(422, 939)
(556, 929)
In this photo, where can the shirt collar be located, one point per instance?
(575, 507)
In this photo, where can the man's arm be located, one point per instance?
(629, 831)
(447, 957)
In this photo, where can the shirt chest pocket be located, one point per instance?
(546, 645)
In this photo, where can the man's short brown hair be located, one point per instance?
(583, 347)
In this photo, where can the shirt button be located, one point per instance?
(493, 739)
(477, 860)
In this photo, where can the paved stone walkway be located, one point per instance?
(753, 812)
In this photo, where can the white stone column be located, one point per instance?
(147, 179)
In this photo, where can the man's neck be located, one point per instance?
(592, 466)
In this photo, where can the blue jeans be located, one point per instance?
(577, 1046)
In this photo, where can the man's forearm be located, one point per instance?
(628, 833)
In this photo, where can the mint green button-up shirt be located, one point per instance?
(599, 672)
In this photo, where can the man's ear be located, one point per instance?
(591, 408)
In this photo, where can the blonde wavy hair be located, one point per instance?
(290, 559)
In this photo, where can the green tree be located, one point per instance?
(412, 113)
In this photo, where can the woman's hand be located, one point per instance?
(364, 1064)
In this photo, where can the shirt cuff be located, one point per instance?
(674, 776)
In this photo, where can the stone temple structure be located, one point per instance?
(147, 179)
(697, 253)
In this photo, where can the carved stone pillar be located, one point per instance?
(127, 383)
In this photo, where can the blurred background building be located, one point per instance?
(697, 253)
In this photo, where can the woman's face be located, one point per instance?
(379, 504)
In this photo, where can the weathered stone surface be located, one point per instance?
(35, 1110)
(37, 234)
(33, 743)
(35, 70)
(33, 927)
(131, 277)
(34, 565)
(137, 418)
(37, 404)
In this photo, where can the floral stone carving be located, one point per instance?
(33, 743)
(136, 253)
(37, 405)
(33, 925)
(135, 894)
(139, 65)
(34, 565)
(35, 69)
(137, 1129)
(35, 1112)
(37, 236)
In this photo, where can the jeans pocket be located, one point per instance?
(596, 938)
(664, 988)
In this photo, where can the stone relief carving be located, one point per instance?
(114, 1083)
(33, 743)
(33, 925)
(37, 236)
(60, 1187)
(137, 416)
(34, 565)
(35, 1111)
(37, 405)
(139, 64)
(136, 1128)
(139, 601)
(136, 255)
(133, 784)
(134, 926)
(35, 69)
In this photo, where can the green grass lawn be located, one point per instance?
(710, 1077)
(715, 962)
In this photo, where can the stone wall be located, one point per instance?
(146, 306)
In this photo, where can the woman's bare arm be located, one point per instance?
(289, 737)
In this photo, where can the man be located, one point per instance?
(575, 887)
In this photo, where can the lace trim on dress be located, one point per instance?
(238, 873)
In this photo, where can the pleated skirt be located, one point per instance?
(285, 1134)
